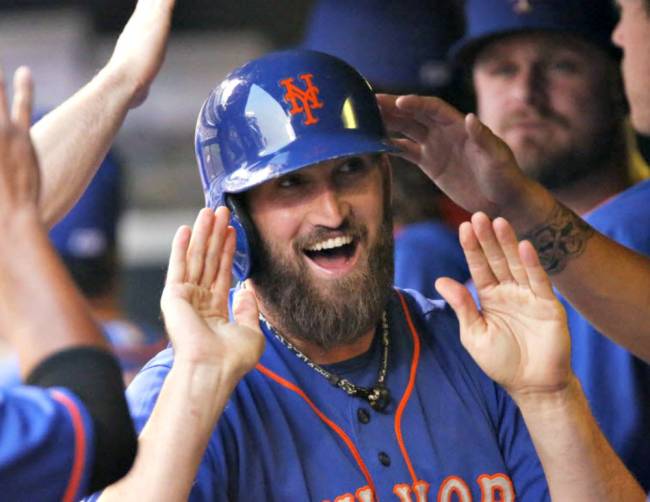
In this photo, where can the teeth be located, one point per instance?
(330, 243)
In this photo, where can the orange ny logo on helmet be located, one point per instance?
(302, 101)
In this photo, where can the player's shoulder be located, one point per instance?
(624, 218)
(143, 391)
(432, 316)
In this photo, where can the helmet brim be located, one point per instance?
(306, 151)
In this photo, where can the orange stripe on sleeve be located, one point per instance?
(79, 462)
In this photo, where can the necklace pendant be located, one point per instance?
(379, 398)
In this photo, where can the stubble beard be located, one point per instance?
(328, 313)
(561, 166)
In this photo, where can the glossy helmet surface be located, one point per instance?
(278, 114)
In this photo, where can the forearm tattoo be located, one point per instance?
(562, 237)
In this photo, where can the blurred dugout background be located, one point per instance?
(66, 42)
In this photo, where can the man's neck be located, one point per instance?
(318, 354)
(585, 194)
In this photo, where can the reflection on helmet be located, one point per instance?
(278, 114)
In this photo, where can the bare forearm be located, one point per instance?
(578, 461)
(606, 282)
(42, 311)
(72, 140)
(174, 440)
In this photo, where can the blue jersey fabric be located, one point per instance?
(423, 253)
(461, 433)
(46, 445)
(616, 383)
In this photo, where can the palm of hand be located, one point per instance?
(478, 177)
(521, 341)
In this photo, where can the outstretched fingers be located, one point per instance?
(397, 122)
(479, 268)
(21, 110)
(178, 256)
(537, 276)
(461, 301)
(201, 232)
(509, 244)
(223, 280)
(215, 246)
(4, 113)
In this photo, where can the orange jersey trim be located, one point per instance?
(79, 446)
(341, 433)
(409, 388)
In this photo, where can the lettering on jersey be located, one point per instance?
(496, 485)
(302, 100)
(494, 488)
(453, 485)
(522, 6)
(404, 492)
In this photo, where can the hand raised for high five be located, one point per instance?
(520, 336)
(140, 49)
(19, 172)
(195, 299)
(475, 168)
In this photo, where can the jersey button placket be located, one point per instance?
(363, 415)
(384, 459)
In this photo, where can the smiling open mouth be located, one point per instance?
(334, 253)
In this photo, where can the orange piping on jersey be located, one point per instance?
(79, 446)
(409, 388)
(348, 442)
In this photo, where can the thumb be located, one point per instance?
(245, 309)
(479, 133)
(460, 300)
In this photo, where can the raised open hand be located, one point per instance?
(19, 172)
(140, 49)
(520, 337)
(460, 154)
(195, 299)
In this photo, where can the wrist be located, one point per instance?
(531, 207)
(550, 400)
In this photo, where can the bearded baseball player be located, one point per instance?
(362, 392)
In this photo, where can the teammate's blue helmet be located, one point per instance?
(489, 19)
(278, 114)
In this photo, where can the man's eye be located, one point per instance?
(503, 69)
(565, 66)
(353, 165)
(288, 181)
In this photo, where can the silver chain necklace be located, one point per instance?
(378, 396)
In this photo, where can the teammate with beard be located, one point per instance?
(545, 81)
(362, 392)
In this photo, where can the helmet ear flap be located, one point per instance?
(246, 237)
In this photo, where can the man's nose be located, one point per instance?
(529, 86)
(329, 208)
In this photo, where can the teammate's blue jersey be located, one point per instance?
(616, 383)
(287, 434)
(46, 445)
(423, 253)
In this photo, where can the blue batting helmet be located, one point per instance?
(490, 19)
(278, 114)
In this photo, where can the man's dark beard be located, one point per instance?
(352, 305)
(557, 170)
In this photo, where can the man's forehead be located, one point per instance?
(540, 43)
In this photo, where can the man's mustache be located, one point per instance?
(517, 118)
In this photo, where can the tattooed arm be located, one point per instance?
(606, 282)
